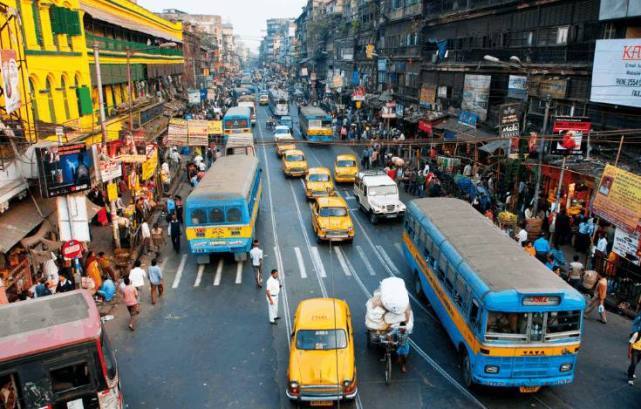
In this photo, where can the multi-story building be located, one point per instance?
(229, 49)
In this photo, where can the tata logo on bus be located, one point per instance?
(541, 300)
(533, 352)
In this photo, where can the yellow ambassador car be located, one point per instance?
(331, 220)
(318, 183)
(284, 144)
(294, 163)
(322, 368)
(345, 168)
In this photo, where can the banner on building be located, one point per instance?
(64, 169)
(476, 94)
(575, 127)
(198, 132)
(547, 87)
(618, 199)
(468, 118)
(442, 91)
(11, 80)
(149, 166)
(73, 220)
(358, 94)
(388, 111)
(215, 128)
(616, 72)
(517, 87)
(509, 124)
(193, 97)
(428, 95)
(627, 245)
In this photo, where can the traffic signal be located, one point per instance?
(369, 51)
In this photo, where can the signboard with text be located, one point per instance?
(64, 169)
(616, 72)
(618, 199)
(509, 121)
(468, 118)
(517, 87)
(575, 126)
(428, 95)
(627, 245)
(476, 95)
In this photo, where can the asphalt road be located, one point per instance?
(208, 343)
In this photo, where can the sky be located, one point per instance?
(247, 16)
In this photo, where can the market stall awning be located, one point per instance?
(493, 146)
(21, 218)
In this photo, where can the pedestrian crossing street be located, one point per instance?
(300, 262)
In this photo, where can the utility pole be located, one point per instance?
(130, 91)
(537, 188)
(101, 98)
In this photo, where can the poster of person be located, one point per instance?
(64, 169)
(11, 80)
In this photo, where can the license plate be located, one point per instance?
(391, 216)
(321, 403)
(529, 389)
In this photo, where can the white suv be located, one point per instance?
(377, 196)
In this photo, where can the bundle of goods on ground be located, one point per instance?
(389, 306)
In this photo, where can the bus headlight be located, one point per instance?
(565, 367)
(491, 369)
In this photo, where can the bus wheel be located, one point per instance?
(466, 367)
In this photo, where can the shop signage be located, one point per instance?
(71, 249)
(215, 128)
(109, 169)
(570, 126)
(193, 97)
(547, 87)
(73, 221)
(627, 245)
(11, 80)
(442, 91)
(388, 111)
(428, 95)
(382, 65)
(476, 95)
(618, 199)
(149, 166)
(112, 192)
(131, 158)
(616, 72)
(197, 133)
(509, 121)
(151, 113)
(347, 54)
(468, 118)
(177, 132)
(64, 169)
(517, 87)
(358, 94)
(425, 126)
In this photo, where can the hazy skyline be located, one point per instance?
(247, 16)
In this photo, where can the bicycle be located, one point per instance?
(390, 347)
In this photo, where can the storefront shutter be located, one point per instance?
(85, 105)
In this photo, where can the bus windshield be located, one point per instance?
(533, 326)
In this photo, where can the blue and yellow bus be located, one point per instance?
(221, 212)
(316, 124)
(512, 320)
(237, 120)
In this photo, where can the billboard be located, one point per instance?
(468, 118)
(576, 127)
(11, 80)
(73, 220)
(388, 111)
(627, 245)
(64, 169)
(509, 124)
(616, 73)
(618, 199)
(476, 94)
(517, 87)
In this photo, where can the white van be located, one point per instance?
(377, 196)
(240, 144)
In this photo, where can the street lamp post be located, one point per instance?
(101, 98)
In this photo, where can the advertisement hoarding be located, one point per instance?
(468, 118)
(476, 94)
(577, 126)
(428, 95)
(517, 87)
(388, 111)
(149, 166)
(618, 199)
(616, 73)
(64, 169)
(509, 124)
(11, 80)
(627, 245)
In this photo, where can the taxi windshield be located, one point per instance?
(333, 212)
(321, 340)
(347, 163)
(318, 177)
(295, 158)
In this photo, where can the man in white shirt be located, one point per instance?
(602, 244)
(145, 233)
(256, 255)
(522, 236)
(575, 274)
(467, 170)
(272, 292)
(137, 277)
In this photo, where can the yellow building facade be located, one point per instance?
(57, 39)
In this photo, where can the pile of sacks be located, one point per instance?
(389, 306)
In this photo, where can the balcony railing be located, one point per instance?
(405, 12)
(112, 44)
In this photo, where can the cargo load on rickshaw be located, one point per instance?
(388, 307)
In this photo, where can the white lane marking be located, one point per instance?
(279, 259)
(318, 263)
(301, 263)
(199, 276)
(219, 273)
(318, 267)
(368, 265)
(399, 247)
(239, 272)
(341, 260)
(388, 260)
(179, 273)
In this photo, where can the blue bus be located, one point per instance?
(221, 212)
(237, 120)
(512, 320)
(315, 124)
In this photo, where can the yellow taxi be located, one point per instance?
(285, 144)
(322, 353)
(345, 168)
(294, 163)
(331, 220)
(318, 183)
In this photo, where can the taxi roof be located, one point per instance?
(331, 201)
(294, 152)
(47, 323)
(322, 170)
(318, 313)
(345, 156)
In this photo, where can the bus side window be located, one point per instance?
(474, 315)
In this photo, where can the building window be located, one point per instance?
(35, 9)
(609, 31)
(65, 97)
(52, 105)
(562, 35)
